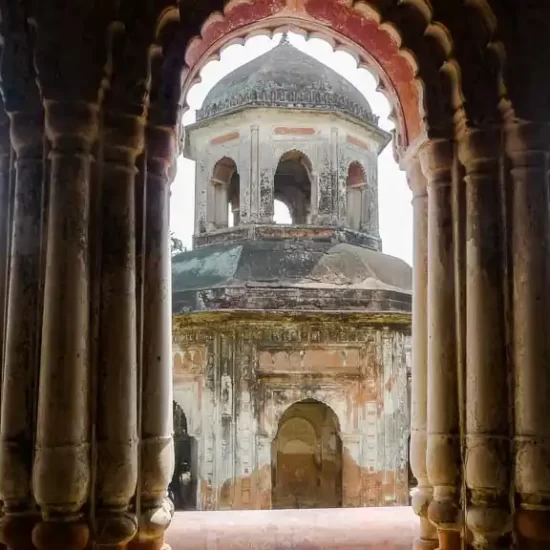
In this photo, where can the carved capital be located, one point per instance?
(71, 126)
(27, 133)
(416, 180)
(123, 138)
(161, 149)
(527, 145)
(479, 150)
(436, 158)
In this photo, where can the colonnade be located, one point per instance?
(480, 378)
(86, 451)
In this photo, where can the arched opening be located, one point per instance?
(183, 487)
(292, 185)
(355, 191)
(307, 458)
(222, 194)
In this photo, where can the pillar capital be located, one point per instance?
(415, 178)
(479, 149)
(72, 126)
(161, 148)
(527, 145)
(436, 158)
(27, 132)
(123, 138)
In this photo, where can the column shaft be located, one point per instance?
(5, 224)
(117, 367)
(487, 426)
(157, 449)
(443, 447)
(423, 493)
(22, 343)
(527, 149)
(61, 476)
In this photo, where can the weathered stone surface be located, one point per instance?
(359, 529)
(237, 376)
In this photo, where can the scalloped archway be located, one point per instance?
(354, 29)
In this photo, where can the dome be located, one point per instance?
(286, 77)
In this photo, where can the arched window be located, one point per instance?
(292, 186)
(356, 183)
(223, 191)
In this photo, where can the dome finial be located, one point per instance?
(284, 39)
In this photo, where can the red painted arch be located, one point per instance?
(335, 19)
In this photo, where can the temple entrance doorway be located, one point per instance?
(307, 458)
(183, 487)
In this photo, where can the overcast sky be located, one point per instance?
(393, 193)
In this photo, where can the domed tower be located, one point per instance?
(291, 341)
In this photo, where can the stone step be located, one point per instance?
(321, 529)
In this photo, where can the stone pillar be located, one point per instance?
(5, 221)
(116, 422)
(157, 448)
(61, 475)
(423, 493)
(443, 444)
(487, 421)
(221, 203)
(254, 182)
(266, 184)
(527, 146)
(22, 337)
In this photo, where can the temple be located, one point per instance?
(291, 342)
(92, 97)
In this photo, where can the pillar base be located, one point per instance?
(449, 540)
(16, 531)
(57, 535)
(533, 528)
(425, 544)
(148, 544)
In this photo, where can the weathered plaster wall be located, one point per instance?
(256, 139)
(236, 375)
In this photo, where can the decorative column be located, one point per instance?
(527, 146)
(423, 493)
(443, 422)
(266, 183)
(157, 449)
(221, 203)
(487, 418)
(22, 343)
(116, 423)
(5, 222)
(61, 476)
(254, 182)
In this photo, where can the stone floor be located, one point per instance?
(341, 529)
